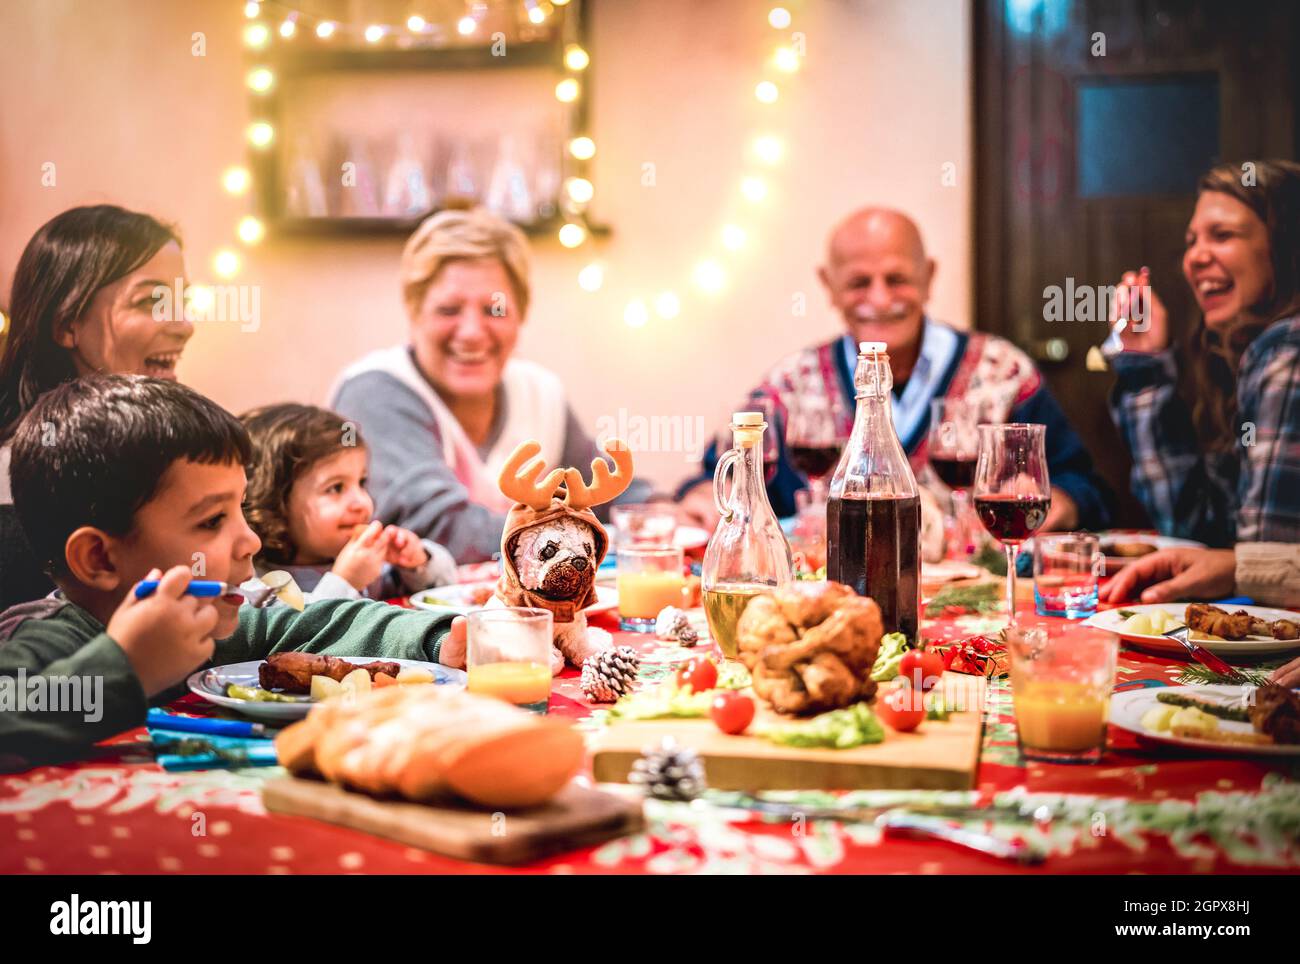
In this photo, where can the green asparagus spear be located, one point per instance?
(1221, 710)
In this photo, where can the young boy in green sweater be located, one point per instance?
(117, 479)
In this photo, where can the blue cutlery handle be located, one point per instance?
(202, 588)
(253, 757)
(160, 718)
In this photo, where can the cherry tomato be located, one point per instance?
(732, 711)
(902, 708)
(698, 673)
(922, 668)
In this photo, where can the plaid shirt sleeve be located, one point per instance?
(1268, 400)
(1185, 494)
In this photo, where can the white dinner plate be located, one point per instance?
(463, 597)
(211, 685)
(1252, 646)
(1126, 711)
(1114, 563)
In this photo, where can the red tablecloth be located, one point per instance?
(123, 814)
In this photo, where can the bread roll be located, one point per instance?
(422, 742)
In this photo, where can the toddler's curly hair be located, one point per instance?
(288, 439)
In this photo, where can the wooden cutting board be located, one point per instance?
(576, 817)
(938, 756)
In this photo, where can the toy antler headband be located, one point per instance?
(519, 478)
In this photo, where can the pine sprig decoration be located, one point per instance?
(609, 674)
(1194, 674)
(669, 772)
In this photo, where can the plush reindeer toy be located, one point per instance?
(553, 543)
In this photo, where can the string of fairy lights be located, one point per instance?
(270, 19)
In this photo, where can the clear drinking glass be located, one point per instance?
(1012, 490)
(643, 523)
(1060, 687)
(509, 655)
(1067, 569)
(649, 578)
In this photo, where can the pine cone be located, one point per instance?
(609, 674)
(688, 636)
(669, 772)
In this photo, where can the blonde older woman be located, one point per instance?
(442, 413)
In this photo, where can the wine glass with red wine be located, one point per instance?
(1012, 490)
(813, 441)
(953, 448)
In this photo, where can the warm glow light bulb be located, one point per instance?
(635, 314)
(250, 230)
(767, 149)
(579, 189)
(766, 92)
(287, 29)
(199, 300)
(575, 58)
(235, 180)
(260, 134)
(252, 9)
(466, 26)
(226, 263)
(572, 235)
(733, 238)
(786, 60)
(668, 305)
(260, 80)
(566, 90)
(415, 23)
(583, 148)
(591, 277)
(779, 17)
(710, 276)
(754, 188)
(256, 35)
(325, 29)
(374, 33)
(536, 15)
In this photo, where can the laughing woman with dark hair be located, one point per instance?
(1214, 424)
(82, 301)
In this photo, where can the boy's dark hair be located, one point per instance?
(288, 439)
(92, 452)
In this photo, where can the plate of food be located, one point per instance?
(1239, 720)
(1243, 631)
(285, 686)
(1120, 548)
(465, 596)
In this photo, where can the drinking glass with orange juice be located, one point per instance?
(1061, 686)
(649, 578)
(509, 655)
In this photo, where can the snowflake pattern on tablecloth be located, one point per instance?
(128, 788)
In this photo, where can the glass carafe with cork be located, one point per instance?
(873, 517)
(747, 553)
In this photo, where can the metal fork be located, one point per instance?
(255, 592)
(1203, 655)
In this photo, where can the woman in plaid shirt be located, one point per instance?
(1214, 424)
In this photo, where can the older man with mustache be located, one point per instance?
(877, 276)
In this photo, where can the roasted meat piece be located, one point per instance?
(1218, 622)
(810, 648)
(292, 672)
(1238, 625)
(1276, 711)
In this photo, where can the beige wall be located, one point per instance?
(109, 91)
